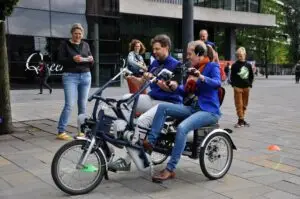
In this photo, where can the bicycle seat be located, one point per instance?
(213, 126)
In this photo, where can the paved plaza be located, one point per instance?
(256, 172)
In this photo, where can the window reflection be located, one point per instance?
(71, 6)
(61, 24)
(37, 4)
(254, 6)
(29, 22)
(240, 5)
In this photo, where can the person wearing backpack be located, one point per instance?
(44, 74)
(297, 72)
(241, 80)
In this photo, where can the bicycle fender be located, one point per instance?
(218, 131)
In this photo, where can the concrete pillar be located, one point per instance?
(187, 24)
(230, 43)
(232, 4)
(96, 58)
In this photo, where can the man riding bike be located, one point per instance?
(160, 93)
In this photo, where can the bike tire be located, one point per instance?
(229, 159)
(54, 169)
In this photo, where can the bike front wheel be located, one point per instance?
(76, 180)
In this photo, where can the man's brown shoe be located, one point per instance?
(163, 175)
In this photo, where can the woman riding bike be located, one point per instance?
(204, 83)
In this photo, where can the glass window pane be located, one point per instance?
(241, 5)
(61, 24)
(71, 6)
(254, 6)
(37, 4)
(29, 22)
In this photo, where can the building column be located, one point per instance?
(232, 4)
(187, 24)
(230, 43)
(96, 58)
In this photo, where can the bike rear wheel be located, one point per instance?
(76, 181)
(211, 156)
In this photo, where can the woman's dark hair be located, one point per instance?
(133, 43)
(163, 39)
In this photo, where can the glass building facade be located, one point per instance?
(239, 5)
(39, 26)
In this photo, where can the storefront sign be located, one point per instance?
(53, 67)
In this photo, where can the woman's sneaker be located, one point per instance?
(63, 136)
(80, 134)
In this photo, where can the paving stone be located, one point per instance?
(25, 161)
(216, 196)
(9, 169)
(191, 176)
(287, 186)
(112, 193)
(228, 183)
(4, 162)
(4, 138)
(260, 171)
(271, 178)
(36, 190)
(19, 124)
(239, 167)
(20, 179)
(23, 136)
(4, 185)
(22, 145)
(280, 194)
(276, 166)
(287, 161)
(294, 180)
(45, 157)
(40, 133)
(142, 185)
(252, 192)
(181, 192)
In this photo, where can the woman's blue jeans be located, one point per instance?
(75, 85)
(191, 120)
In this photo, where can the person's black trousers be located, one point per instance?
(43, 82)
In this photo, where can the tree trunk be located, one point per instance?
(5, 108)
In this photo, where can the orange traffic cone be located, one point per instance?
(273, 147)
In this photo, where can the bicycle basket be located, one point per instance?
(104, 123)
